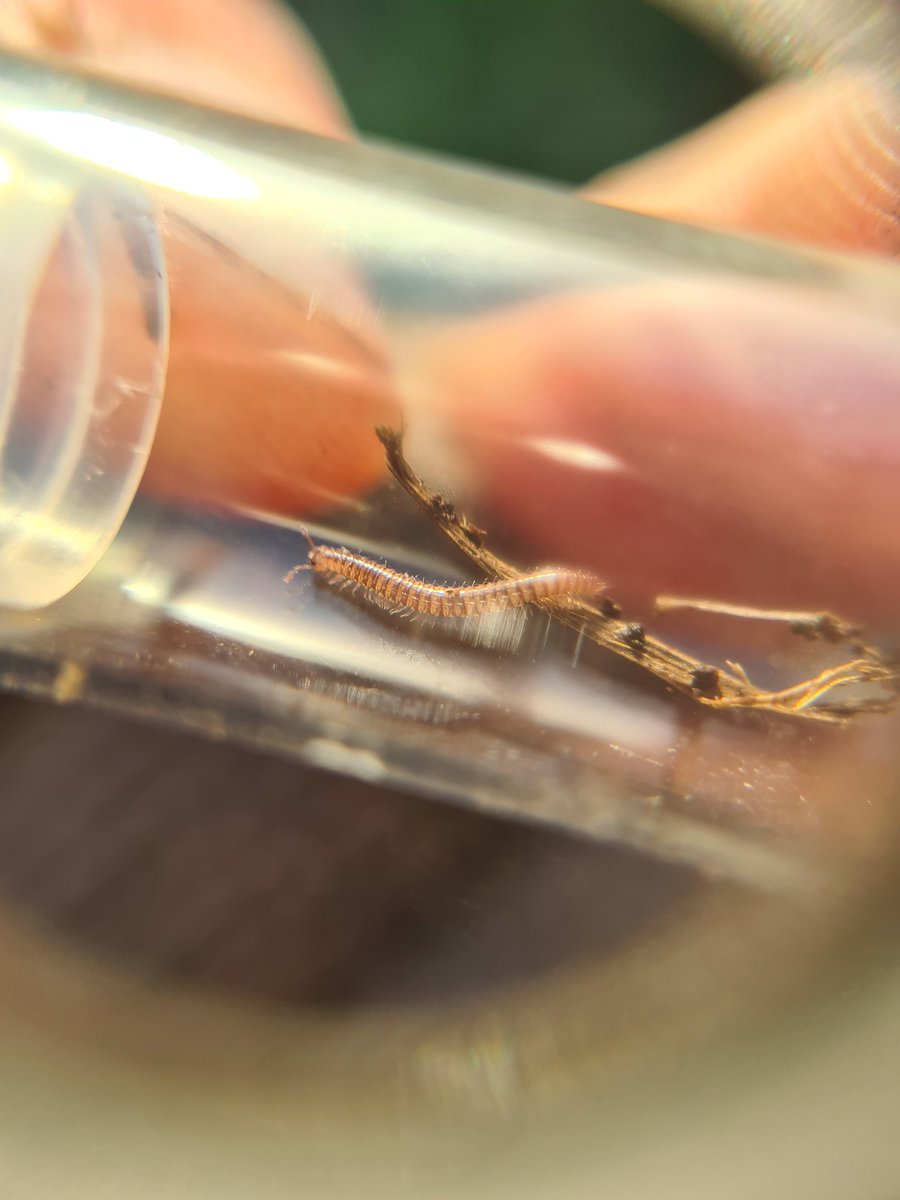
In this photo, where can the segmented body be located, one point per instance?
(448, 600)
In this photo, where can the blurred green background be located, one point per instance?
(559, 88)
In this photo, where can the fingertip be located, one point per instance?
(270, 400)
(688, 438)
(815, 161)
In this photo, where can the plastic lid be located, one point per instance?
(83, 347)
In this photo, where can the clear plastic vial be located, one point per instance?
(593, 389)
(208, 323)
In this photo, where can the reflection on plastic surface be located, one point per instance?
(139, 153)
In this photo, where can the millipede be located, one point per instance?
(396, 589)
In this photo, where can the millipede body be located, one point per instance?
(448, 600)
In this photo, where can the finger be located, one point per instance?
(249, 56)
(271, 393)
(271, 400)
(815, 161)
(686, 438)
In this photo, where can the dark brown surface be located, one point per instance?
(208, 864)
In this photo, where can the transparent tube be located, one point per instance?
(323, 291)
(689, 417)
